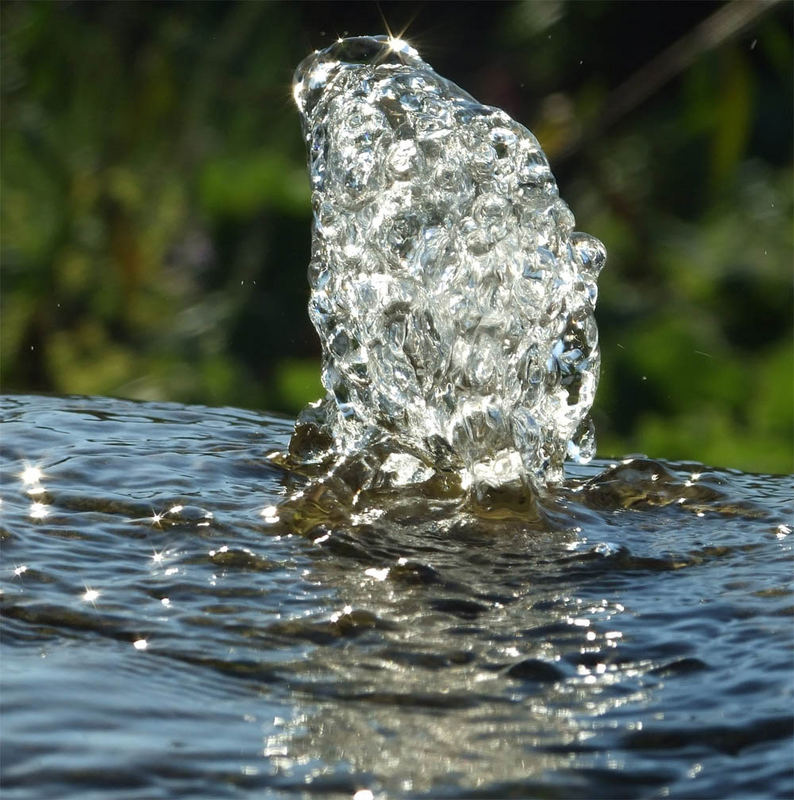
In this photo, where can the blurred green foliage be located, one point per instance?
(155, 206)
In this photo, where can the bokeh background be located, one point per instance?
(155, 204)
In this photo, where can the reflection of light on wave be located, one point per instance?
(90, 595)
(270, 515)
(31, 475)
(371, 736)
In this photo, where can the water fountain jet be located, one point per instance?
(452, 296)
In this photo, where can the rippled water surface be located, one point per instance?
(165, 634)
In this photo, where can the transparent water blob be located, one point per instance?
(453, 298)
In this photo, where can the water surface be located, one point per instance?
(164, 637)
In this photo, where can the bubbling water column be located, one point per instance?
(453, 299)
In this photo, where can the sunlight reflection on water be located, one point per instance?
(180, 637)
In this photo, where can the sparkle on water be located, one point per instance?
(452, 296)
(173, 629)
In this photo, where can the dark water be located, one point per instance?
(162, 638)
